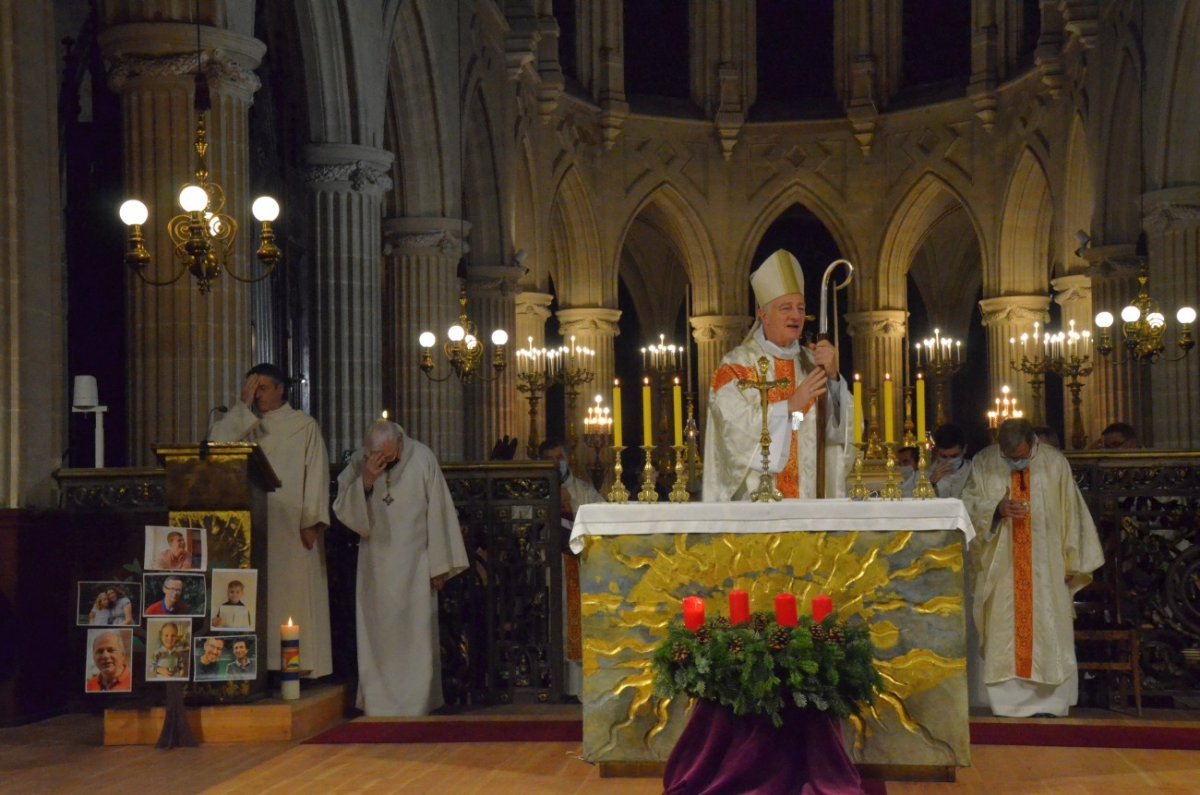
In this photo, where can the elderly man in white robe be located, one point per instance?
(297, 512)
(1036, 546)
(732, 453)
(393, 495)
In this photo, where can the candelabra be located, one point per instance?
(574, 375)
(463, 348)
(942, 359)
(597, 430)
(531, 384)
(1032, 363)
(538, 369)
(1006, 408)
(1067, 354)
(1144, 326)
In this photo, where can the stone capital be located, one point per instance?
(720, 328)
(1111, 260)
(431, 237)
(361, 168)
(599, 320)
(1172, 209)
(1069, 289)
(500, 279)
(877, 323)
(1015, 309)
(158, 51)
(535, 305)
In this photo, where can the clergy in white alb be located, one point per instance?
(297, 512)
(949, 469)
(393, 495)
(732, 452)
(1036, 546)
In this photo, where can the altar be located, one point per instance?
(896, 565)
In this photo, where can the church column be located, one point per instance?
(533, 310)
(1116, 382)
(594, 327)
(346, 186)
(715, 336)
(878, 350)
(491, 405)
(1007, 317)
(1074, 294)
(421, 294)
(1174, 228)
(187, 352)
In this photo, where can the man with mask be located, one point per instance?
(949, 469)
(1036, 546)
(906, 469)
(574, 493)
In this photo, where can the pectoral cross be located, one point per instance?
(766, 491)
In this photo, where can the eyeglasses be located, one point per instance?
(1033, 451)
(173, 590)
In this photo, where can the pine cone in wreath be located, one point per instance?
(721, 622)
(736, 646)
(759, 622)
(836, 636)
(819, 633)
(703, 635)
(680, 653)
(779, 638)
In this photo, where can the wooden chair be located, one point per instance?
(1110, 642)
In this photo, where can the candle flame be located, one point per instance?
(384, 414)
(289, 623)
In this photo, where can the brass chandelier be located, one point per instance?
(463, 348)
(204, 235)
(1143, 324)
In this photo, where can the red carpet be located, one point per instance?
(513, 730)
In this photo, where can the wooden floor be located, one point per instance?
(65, 754)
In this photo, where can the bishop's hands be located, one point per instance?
(373, 466)
(826, 357)
(250, 389)
(816, 383)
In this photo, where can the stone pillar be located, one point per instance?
(715, 336)
(1074, 294)
(596, 328)
(1174, 228)
(490, 401)
(420, 291)
(34, 384)
(187, 352)
(346, 186)
(878, 350)
(1116, 383)
(533, 310)
(1006, 317)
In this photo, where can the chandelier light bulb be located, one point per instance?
(1104, 319)
(427, 339)
(193, 199)
(470, 342)
(1156, 320)
(133, 213)
(265, 208)
(499, 337)
(214, 224)
(1186, 315)
(456, 333)
(1130, 314)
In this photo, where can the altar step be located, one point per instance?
(269, 720)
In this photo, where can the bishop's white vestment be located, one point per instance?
(1026, 573)
(732, 453)
(297, 585)
(409, 535)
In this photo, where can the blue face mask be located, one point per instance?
(1018, 465)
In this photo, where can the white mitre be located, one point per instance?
(779, 274)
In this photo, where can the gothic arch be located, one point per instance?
(1118, 218)
(1178, 162)
(925, 207)
(1023, 264)
(576, 268)
(1079, 200)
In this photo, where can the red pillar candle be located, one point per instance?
(785, 610)
(693, 613)
(822, 606)
(739, 607)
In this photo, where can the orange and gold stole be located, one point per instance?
(1022, 566)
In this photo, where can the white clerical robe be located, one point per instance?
(297, 585)
(732, 453)
(410, 534)
(1024, 610)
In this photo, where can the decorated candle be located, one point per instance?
(822, 606)
(739, 607)
(889, 421)
(920, 408)
(858, 409)
(785, 610)
(647, 436)
(289, 660)
(693, 612)
(677, 401)
(616, 412)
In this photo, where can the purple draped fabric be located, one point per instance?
(720, 753)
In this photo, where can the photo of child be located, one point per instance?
(168, 649)
(234, 593)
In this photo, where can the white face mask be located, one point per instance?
(564, 471)
(905, 471)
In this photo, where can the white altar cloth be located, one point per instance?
(788, 516)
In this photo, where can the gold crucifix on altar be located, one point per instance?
(766, 491)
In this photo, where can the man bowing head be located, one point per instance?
(732, 455)
(393, 495)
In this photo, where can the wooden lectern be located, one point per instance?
(222, 487)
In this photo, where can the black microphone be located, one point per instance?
(211, 421)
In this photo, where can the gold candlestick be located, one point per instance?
(648, 493)
(679, 492)
(618, 492)
(858, 490)
(891, 489)
(909, 438)
(924, 489)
